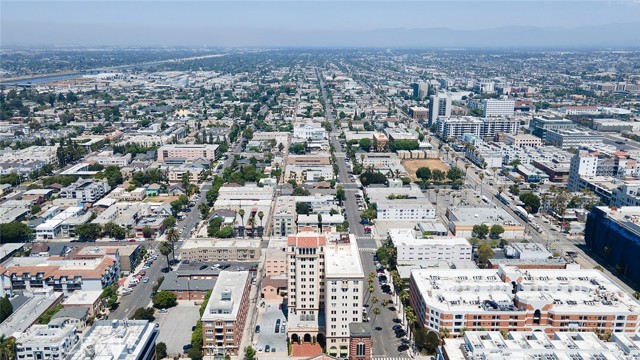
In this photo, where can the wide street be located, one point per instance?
(384, 341)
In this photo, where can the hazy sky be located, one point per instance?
(282, 23)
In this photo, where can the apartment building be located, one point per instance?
(439, 106)
(187, 152)
(309, 173)
(457, 127)
(216, 250)
(117, 339)
(540, 125)
(418, 112)
(46, 342)
(224, 318)
(63, 224)
(85, 190)
(495, 107)
(511, 299)
(344, 292)
(275, 263)
(627, 194)
(401, 203)
(572, 138)
(284, 217)
(65, 275)
(108, 158)
(194, 173)
(410, 248)
(579, 110)
(492, 126)
(531, 345)
(309, 131)
(484, 156)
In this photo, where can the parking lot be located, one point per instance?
(175, 326)
(267, 335)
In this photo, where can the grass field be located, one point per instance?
(414, 164)
(162, 199)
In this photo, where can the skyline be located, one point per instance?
(342, 24)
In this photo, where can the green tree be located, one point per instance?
(340, 194)
(14, 232)
(109, 295)
(172, 237)
(531, 201)
(204, 210)
(365, 144)
(423, 173)
(161, 350)
(88, 232)
(147, 232)
(437, 175)
(496, 230)
(404, 145)
(426, 341)
(164, 299)
(298, 148)
(7, 347)
(169, 222)
(485, 252)
(113, 175)
(143, 314)
(249, 353)
(6, 308)
(480, 230)
(455, 173)
(176, 207)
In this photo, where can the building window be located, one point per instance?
(360, 349)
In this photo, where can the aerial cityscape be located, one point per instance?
(312, 189)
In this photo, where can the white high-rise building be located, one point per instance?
(440, 105)
(344, 289)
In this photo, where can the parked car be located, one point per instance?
(267, 348)
(187, 347)
(257, 329)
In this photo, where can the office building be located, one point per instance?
(573, 138)
(117, 339)
(411, 248)
(535, 345)
(46, 342)
(540, 125)
(579, 110)
(522, 140)
(495, 107)
(224, 318)
(511, 299)
(463, 218)
(614, 234)
(187, 152)
(439, 106)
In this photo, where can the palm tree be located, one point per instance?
(173, 236)
(404, 296)
(376, 312)
(166, 249)
(385, 302)
(7, 347)
(260, 216)
(241, 213)
(397, 282)
(481, 176)
(374, 299)
(466, 167)
(252, 222)
(371, 288)
(411, 319)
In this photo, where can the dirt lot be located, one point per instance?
(162, 199)
(412, 165)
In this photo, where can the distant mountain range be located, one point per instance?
(597, 36)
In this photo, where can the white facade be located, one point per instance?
(409, 248)
(344, 291)
(440, 105)
(284, 217)
(46, 342)
(405, 209)
(628, 194)
(566, 139)
(118, 339)
(457, 127)
(86, 190)
(309, 131)
(495, 107)
(494, 125)
(583, 164)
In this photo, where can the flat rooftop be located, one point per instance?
(28, 313)
(564, 290)
(117, 339)
(473, 215)
(219, 243)
(491, 345)
(342, 259)
(224, 302)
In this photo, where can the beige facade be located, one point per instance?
(215, 250)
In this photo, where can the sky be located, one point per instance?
(320, 23)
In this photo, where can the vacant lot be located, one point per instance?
(162, 199)
(412, 165)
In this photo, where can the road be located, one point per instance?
(384, 342)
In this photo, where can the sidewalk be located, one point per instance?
(252, 315)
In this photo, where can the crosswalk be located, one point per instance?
(389, 358)
(367, 249)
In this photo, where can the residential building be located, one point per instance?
(176, 173)
(190, 288)
(484, 156)
(380, 160)
(46, 342)
(108, 158)
(401, 203)
(457, 127)
(63, 224)
(439, 106)
(627, 194)
(224, 317)
(65, 275)
(614, 234)
(463, 218)
(579, 110)
(88, 191)
(275, 263)
(284, 217)
(309, 130)
(511, 299)
(90, 300)
(187, 152)
(492, 126)
(531, 345)
(344, 293)
(573, 138)
(411, 248)
(274, 288)
(495, 107)
(36, 303)
(418, 112)
(216, 250)
(117, 339)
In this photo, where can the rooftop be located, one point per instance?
(224, 302)
(342, 258)
(472, 215)
(117, 339)
(565, 290)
